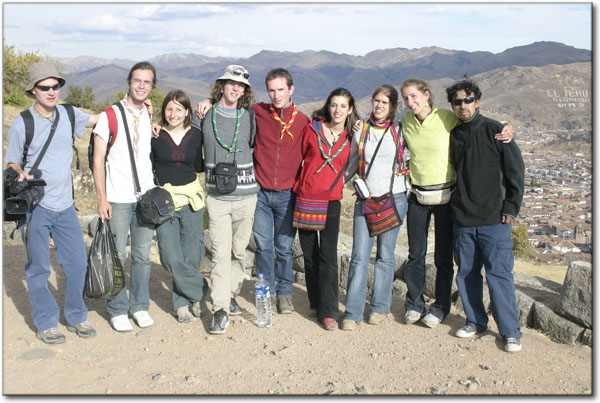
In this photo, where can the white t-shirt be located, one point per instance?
(119, 179)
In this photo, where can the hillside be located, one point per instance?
(538, 86)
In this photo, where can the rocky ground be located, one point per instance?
(294, 357)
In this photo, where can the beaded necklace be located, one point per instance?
(50, 118)
(285, 126)
(231, 148)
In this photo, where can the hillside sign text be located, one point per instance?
(572, 97)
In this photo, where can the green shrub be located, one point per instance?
(18, 99)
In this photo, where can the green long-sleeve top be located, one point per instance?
(429, 145)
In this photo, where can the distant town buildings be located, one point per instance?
(557, 205)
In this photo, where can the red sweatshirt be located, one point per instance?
(277, 161)
(317, 185)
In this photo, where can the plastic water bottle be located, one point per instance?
(264, 315)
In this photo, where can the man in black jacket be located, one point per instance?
(488, 196)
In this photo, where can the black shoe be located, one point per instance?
(234, 308)
(219, 322)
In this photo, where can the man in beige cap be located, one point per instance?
(227, 139)
(55, 214)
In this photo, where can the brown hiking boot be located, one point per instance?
(284, 305)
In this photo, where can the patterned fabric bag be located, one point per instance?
(310, 214)
(381, 214)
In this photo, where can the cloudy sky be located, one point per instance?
(143, 30)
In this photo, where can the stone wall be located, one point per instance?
(562, 312)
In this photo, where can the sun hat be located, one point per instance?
(40, 71)
(237, 73)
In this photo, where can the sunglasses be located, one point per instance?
(46, 88)
(459, 101)
(239, 72)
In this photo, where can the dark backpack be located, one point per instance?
(113, 128)
(29, 131)
(30, 128)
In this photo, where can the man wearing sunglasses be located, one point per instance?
(488, 196)
(55, 215)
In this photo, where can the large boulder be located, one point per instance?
(575, 301)
(557, 328)
(525, 307)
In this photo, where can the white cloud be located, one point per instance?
(144, 30)
(212, 50)
(149, 11)
(434, 10)
(105, 22)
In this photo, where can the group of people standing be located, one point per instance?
(288, 169)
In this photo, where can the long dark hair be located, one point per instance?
(324, 114)
(181, 98)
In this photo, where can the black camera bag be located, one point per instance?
(225, 177)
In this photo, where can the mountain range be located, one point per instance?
(538, 68)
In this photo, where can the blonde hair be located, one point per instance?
(420, 85)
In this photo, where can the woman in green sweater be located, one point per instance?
(427, 133)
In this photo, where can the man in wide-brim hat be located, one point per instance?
(55, 214)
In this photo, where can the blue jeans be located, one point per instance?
(125, 221)
(417, 225)
(274, 233)
(385, 264)
(65, 230)
(489, 246)
(181, 251)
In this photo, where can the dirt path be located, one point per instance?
(296, 356)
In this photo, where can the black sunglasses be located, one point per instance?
(459, 101)
(47, 88)
(238, 72)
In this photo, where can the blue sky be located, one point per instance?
(143, 30)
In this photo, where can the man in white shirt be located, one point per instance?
(117, 194)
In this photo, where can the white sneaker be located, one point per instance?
(430, 320)
(411, 317)
(121, 323)
(143, 319)
(512, 345)
(466, 331)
